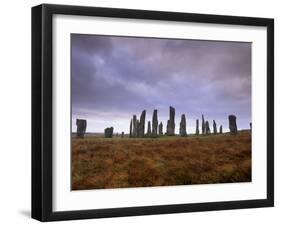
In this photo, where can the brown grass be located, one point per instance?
(128, 162)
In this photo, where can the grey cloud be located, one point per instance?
(124, 75)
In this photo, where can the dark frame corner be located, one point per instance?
(42, 111)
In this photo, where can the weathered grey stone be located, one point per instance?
(148, 129)
(183, 125)
(131, 128)
(221, 129)
(154, 123)
(108, 132)
(161, 128)
(215, 127)
(203, 125)
(171, 122)
(141, 124)
(197, 127)
(207, 128)
(81, 127)
(250, 126)
(135, 126)
(232, 124)
(138, 130)
(122, 134)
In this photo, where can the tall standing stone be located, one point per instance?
(108, 132)
(154, 123)
(221, 129)
(81, 127)
(161, 128)
(148, 129)
(232, 124)
(138, 130)
(131, 128)
(197, 127)
(250, 126)
(215, 127)
(171, 122)
(122, 135)
(141, 124)
(207, 128)
(135, 126)
(183, 126)
(203, 125)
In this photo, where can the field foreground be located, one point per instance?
(135, 162)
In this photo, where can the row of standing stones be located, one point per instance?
(137, 127)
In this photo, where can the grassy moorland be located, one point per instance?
(135, 162)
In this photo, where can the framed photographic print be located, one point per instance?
(145, 112)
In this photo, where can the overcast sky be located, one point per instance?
(116, 77)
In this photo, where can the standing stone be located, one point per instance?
(197, 127)
(141, 124)
(171, 122)
(154, 123)
(221, 129)
(203, 125)
(215, 127)
(183, 126)
(232, 124)
(207, 128)
(122, 135)
(148, 129)
(161, 128)
(108, 132)
(250, 126)
(131, 128)
(81, 127)
(135, 126)
(138, 125)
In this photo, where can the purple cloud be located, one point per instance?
(116, 77)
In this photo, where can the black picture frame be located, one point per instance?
(42, 111)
